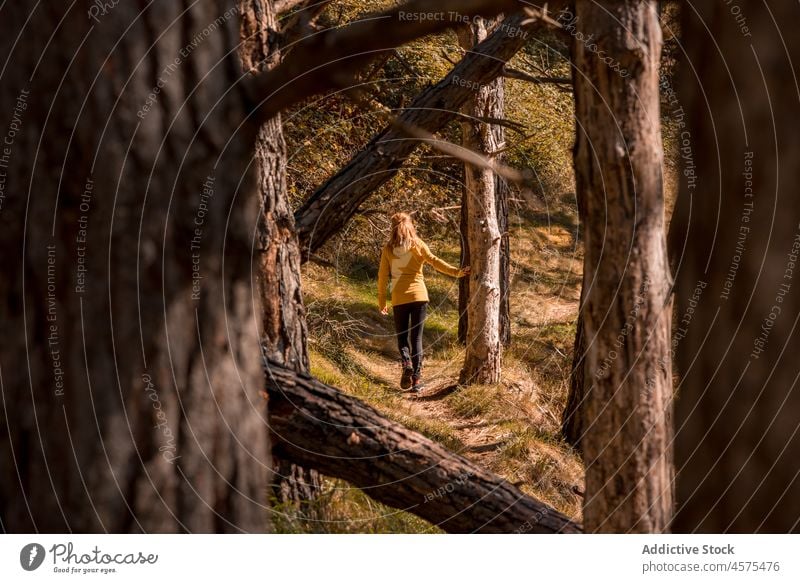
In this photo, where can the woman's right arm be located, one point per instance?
(383, 279)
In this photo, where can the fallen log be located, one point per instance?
(334, 203)
(320, 427)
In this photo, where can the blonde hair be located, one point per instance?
(403, 232)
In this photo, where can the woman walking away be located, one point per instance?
(403, 257)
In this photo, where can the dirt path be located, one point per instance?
(480, 438)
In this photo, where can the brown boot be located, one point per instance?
(405, 379)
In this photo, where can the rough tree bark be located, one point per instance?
(395, 466)
(130, 367)
(735, 239)
(322, 215)
(501, 193)
(284, 332)
(572, 426)
(483, 238)
(463, 282)
(618, 157)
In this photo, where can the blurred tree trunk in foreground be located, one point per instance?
(618, 158)
(130, 364)
(735, 242)
(284, 335)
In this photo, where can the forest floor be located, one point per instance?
(511, 428)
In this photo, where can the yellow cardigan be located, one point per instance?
(405, 267)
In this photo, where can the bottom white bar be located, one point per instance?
(399, 558)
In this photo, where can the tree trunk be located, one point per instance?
(328, 209)
(735, 239)
(342, 437)
(501, 192)
(284, 321)
(463, 282)
(130, 366)
(484, 240)
(618, 158)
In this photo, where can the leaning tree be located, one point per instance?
(336, 201)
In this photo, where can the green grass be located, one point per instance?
(439, 431)
(473, 401)
(342, 509)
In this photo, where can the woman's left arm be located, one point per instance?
(439, 264)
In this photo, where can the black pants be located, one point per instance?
(408, 322)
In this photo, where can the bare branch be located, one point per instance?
(281, 6)
(512, 73)
(440, 145)
(404, 63)
(330, 59)
(463, 154)
(514, 126)
(301, 25)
